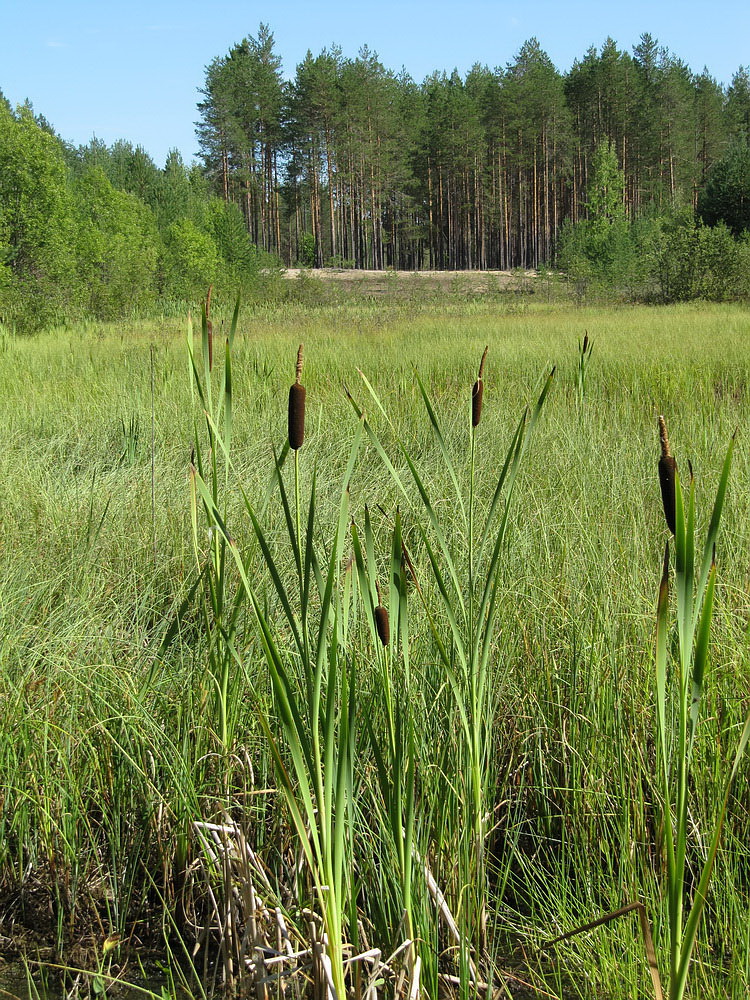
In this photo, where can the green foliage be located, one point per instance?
(191, 260)
(227, 226)
(117, 247)
(111, 755)
(36, 223)
(694, 261)
(726, 194)
(307, 250)
(606, 204)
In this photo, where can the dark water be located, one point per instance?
(19, 983)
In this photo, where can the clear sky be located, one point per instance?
(132, 70)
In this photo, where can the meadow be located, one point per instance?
(214, 757)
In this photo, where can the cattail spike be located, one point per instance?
(477, 392)
(296, 416)
(585, 342)
(667, 474)
(382, 625)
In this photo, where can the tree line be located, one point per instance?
(102, 231)
(352, 163)
(628, 169)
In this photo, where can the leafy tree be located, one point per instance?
(117, 247)
(36, 224)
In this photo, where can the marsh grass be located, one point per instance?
(113, 746)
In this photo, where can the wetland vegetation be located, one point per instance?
(212, 751)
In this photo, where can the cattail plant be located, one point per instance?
(313, 688)
(394, 750)
(667, 473)
(676, 728)
(220, 608)
(468, 609)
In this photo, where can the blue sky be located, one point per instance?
(132, 70)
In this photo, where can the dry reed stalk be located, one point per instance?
(477, 393)
(296, 422)
(667, 470)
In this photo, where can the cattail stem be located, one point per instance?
(297, 512)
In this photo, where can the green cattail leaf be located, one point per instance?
(235, 320)
(438, 432)
(365, 587)
(372, 571)
(311, 569)
(701, 652)
(275, 477)
(279, 587)
(458, 638)
(699, 901)
(228, 398)
(713, 528)
(512, 456)
(375, 441)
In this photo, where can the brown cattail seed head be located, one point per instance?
(667, 470)
(382, 624)
(585, 342)
(296, 422)
(477, 393)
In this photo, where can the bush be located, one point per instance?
(696, 261)
(191, 261)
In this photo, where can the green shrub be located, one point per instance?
(191, 260)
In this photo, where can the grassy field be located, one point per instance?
(488, 779)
